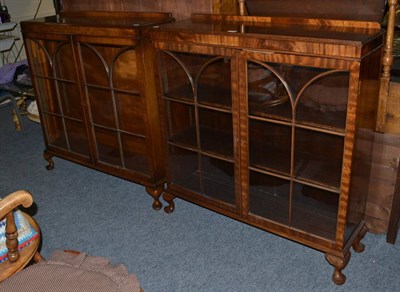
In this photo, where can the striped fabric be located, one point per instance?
(66, 272)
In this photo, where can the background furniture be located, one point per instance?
(7, 52)
(381, 206)
(17, 260)
(18, 95)
(64, 271)
(96, 94)
(6, 96)
(270, 120)
(392, 107)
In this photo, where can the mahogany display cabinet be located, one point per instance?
(269, 120)
(95, 88)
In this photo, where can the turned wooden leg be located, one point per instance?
(11, 238)
(17, 120)
(339, 264)
(170, 200)
(357, 245)
(48, 157)
(155, 193)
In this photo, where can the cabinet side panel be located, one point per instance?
(367, 103)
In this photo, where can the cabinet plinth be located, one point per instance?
(271, 124)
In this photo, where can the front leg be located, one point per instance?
(339, 263)
(48, 157)
(170, 200)
(156, 193)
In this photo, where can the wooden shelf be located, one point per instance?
(208, 96)
(214, 142)
(212, 178)
(313, 210)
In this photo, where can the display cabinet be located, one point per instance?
(269, 120)
(95, 87)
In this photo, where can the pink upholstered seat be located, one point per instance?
(72, 272)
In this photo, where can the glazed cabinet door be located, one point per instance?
(200, 113)
(295, 119)
(52, 62)
(113, 82)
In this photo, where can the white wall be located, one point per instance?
(26, 9)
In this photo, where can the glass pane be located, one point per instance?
(218, 179)
(269, 197)
(174, 79)
(135, 153)
(96, 67)
(48, 95)
(267, 95)
(318, 157)
(125, 71)
(70, 100)
(41, 62)
(108, 146)
(315, 211)
(77, 137)
(297, 76)
(181, 124)
(270, 146)
(55, 131)
(101, 107)
(131, 112)
(183, 168)
(216, 133)
(64, 64)
(102, 61)
(324, 101)
(214, 84)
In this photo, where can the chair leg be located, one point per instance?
(37, 257)
(16, 113)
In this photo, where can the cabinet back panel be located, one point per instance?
(180, 8)
(368, 10)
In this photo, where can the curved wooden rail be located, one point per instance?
(14, 200)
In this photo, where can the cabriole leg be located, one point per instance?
(170, 200)
(339, 264)
(155, 193)
(48, 157)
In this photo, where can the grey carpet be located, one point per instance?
(192, 249)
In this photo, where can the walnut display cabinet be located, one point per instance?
(269, 120)
(95, 87)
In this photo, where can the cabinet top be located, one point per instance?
(102, 19)
(309, 36)
(111, 26)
